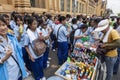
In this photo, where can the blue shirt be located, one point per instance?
(62, 34)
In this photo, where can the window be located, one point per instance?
(73, 5)
(62, 5)
(77, 6)
(32, 3)
(68, 5)
(42, 4)
(80, 8)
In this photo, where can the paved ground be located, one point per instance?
(53, 67)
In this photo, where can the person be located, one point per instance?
(116, 66)
(46, 31)
(111, 41)
(62, 34)
(94, 36)
(12, 22)
(11, 62)
(6, 19)
(36, 62)
(81, 33)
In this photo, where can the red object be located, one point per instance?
(57, 22)
(40, 33)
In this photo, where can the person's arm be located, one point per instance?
(28, 51)
(77, 35)
(113, 45)
(7, 55)
(26, 44)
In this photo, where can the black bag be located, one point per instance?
(72, 38)
(56, 37)
(72, 35)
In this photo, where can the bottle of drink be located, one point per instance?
(21, 29)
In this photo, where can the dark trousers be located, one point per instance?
(20, 78)
(62, 52)
(116, 66)
(26, 59)
(37, 68)
(45, 58)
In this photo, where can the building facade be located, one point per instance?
(73, 7)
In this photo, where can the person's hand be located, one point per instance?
(103, 45)
(49, 30)
(32, 58)
(42, 37)
(9, 51)
(1, 62)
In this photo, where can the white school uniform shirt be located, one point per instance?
(31, 45)
(62, 34)
(74, 26)
(79, 33)
(16, 31)
(44, 33)
(11, 65)
(12, 24)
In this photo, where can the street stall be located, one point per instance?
(82, 64)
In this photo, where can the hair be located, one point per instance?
(13, 14)
(1, 19)
(4, 16)
(62, 18)
(26, 18)
(40, 21)
(74, 21)
(79, 17)
(83, 26)
(30, 21)
(18, 17)
(49, 16)
(44, 13)
(68, 16)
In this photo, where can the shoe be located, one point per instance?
(48, 65)
(49, 58)
(44, 78)
(48, 62)
(53, 50)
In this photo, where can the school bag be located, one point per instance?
(72, 35)
(39, 47)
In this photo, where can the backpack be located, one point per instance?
(39, 47)
(72, 35)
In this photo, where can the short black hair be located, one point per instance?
(79, 17)
(18, 16)
(83, 26)
(74, 21)
(49, 16)
(62, 18)
(68, 16)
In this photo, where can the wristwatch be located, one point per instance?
(1, 62)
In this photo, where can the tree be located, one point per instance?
(118, 14)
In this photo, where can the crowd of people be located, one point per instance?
(18, 33)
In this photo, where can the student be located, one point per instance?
(36, 62)
(12, 22)
(6, 19)
(81, 33)
(46, 31)
(62, 34)
(11, 62)
(94, 36)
